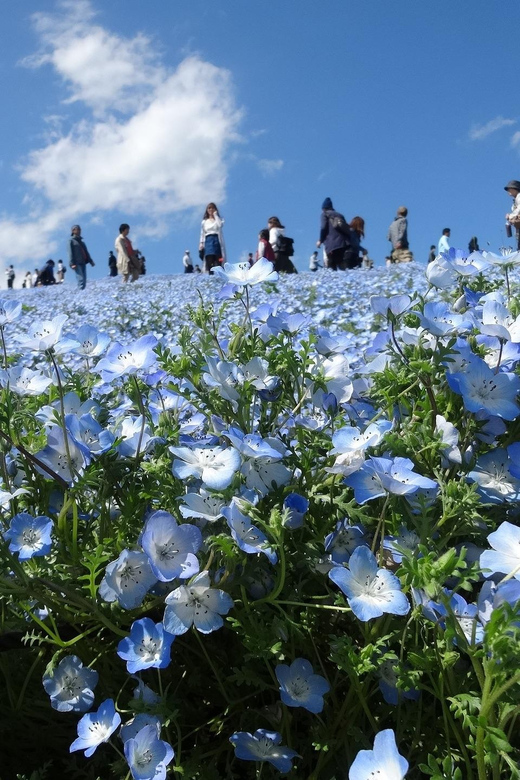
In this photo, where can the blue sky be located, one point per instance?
(143, 111)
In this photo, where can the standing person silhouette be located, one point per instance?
(79, 256)
(212, 238)
(335, 234)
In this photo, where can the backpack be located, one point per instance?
(285, 245)
(340, 224)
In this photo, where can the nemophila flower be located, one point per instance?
(67, 463)
(121, 360)
(134, 726)
(242, 274)
(388, 679)
(248, 537)
(466, 616)
(149, 645)
(329, 343)
(263, 746)
(441, 273)
(507, 257)
(225, 376)
(94, 728)
(380, 476)
(256, 371)
(450, 439)
(9, 311)
(91, 341)
(43, 335)
(493, 473)
(171, 548)
(497, 321)
(438, 319)
(72, 404)
(466, 264)
(29, 536)
(493, 596)
(499, 353)
(196, 604)
(264, 474)
(335, 371)
(127, 579)
(504, 558)
(215, 466)
(405, 542)
(143, 694)
(24, 381)
(296, 507)
(300, 687)
(204, 505)
(384, 761)
(342, 542)
(395, 305)
(484, 390)
(370, 592)
(88, 431)
(351, 439)
(136, 437)
(147, 755)
(70, 685)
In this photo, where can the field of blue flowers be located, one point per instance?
(255, 526)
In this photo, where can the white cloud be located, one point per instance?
(479, 132)
(153, 142)
(269, 167)
(515, 139)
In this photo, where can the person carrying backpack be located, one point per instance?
(335, 234)
(282, 247)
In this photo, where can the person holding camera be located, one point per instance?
(513, 218)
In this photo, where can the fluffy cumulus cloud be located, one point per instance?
(479, 132)
(153, 141)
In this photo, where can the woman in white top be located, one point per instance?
(282, 262)
(212, 238)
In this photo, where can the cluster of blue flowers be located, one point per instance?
(235, 463)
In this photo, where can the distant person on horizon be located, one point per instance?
(473, 245)
(264, 247)
(27, 280)
(398, 237)
(444, 243)
(46, 276)
(354, 254)
(314, 263)
(279, 242)
(250, 259)
(335, 234)
(10, 277)
(433, 253)
(112, 264)
(60, 272)
(212, 238)
(35, 277)
(78, 257)
(187, 262)
(513, 218)
(127, 263)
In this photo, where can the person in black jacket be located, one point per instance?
(46, 275)
(334, 233)
(79, 256)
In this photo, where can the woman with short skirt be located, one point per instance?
(211, 238)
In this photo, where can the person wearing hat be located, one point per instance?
(187, 262)
(513, 218)
(79, 256)
(398, 237)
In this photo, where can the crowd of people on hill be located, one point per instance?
(339, 240)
